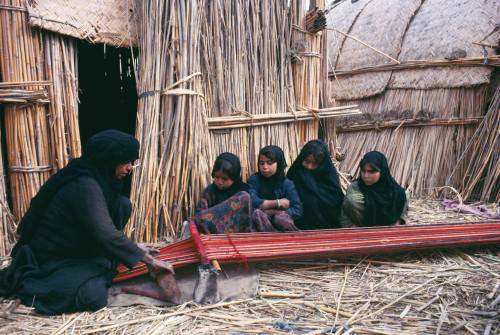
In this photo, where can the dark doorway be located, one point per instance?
(107, 90)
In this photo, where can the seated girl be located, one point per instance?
(275, 200)
(318, 185)
(225, 206)
(374, 199)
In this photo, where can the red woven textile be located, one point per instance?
(258, 247)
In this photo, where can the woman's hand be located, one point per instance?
(148, 249)
(156, 266)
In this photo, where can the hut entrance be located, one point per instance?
(107, 90)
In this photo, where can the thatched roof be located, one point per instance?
(98, 21)
(409, 30)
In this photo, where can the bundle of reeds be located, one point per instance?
(171, 120)
(315, 20)
(481, 159)
(27, 129)
(246, 64)
(7, 222)
(61, 71)
(306, 67)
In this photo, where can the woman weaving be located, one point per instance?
(70, 239)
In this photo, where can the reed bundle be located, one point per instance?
(171, 127)
(247, 70)
(7, 221)
(481, 159)
(315, 20)
(27, 129)
(61, 71)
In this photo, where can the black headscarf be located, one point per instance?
(231, 166)
(384, 200)
(269, 184)
(103, 152)
(319, 189)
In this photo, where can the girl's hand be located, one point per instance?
(284, 203)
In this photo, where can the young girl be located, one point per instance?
(225, 206)
(317, 182)
(274, 198)
(374, 199)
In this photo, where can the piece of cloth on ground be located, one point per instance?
(236, 281)
(479, 210)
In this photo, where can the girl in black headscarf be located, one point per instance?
(275, 200)
(225, 205)
(70, 239)
(317, 182)
(375, 198)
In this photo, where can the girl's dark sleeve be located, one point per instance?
(94, 216)
(253, 189)
(295, 210)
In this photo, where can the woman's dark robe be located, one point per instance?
(319, 190)
(381, 204)
(70, 238)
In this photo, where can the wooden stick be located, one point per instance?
(492, 61)
(409, 123)
(366, 44)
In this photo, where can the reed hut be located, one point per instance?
(214, 76)
(210, 77)
(424, 74)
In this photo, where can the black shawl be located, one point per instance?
(385, 200)
(103, 152)
(319, 189)
(234, 172)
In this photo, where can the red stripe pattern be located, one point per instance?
(259, 247)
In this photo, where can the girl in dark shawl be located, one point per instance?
(317, 182)
(375, 198)
(275, 200)
(70, 239)
(225, 205)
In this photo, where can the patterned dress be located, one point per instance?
(232, 215)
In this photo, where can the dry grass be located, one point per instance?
(448, 292)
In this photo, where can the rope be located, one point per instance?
(14, 8)
(30, 169)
